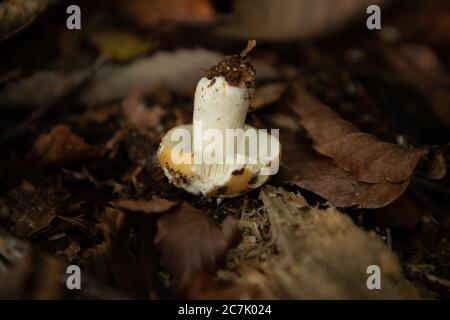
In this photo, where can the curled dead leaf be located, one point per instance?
(61, 146)
(190, 242)
(363, 155)
(319, 174)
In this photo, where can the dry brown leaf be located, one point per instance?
(155, 205)
(61, 146)
(363, 155)
(148, 13)
(318, 250)
(306, 168)
(191, 242)
(41, 87)
(137, 114)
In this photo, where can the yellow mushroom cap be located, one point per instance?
(216, 180)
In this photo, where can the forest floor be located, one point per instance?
(364, 121)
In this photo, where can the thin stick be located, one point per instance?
(250, 45)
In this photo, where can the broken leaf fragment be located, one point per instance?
(61, 146)
(154, 205)
(139, 115)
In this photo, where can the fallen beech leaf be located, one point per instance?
(190, 242)
(366, 157)
(119, 45)
(61, 146)
(317, 250)
(319, 174)
(148, 13)
(155, 205)
(138, 115)
(116, 82)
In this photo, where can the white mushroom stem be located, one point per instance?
(218, 105)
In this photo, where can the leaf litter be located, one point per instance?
(356, 184)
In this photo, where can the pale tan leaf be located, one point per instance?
(280, 20)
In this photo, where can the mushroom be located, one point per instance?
(219, 155)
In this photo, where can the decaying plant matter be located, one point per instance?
(321, 255)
